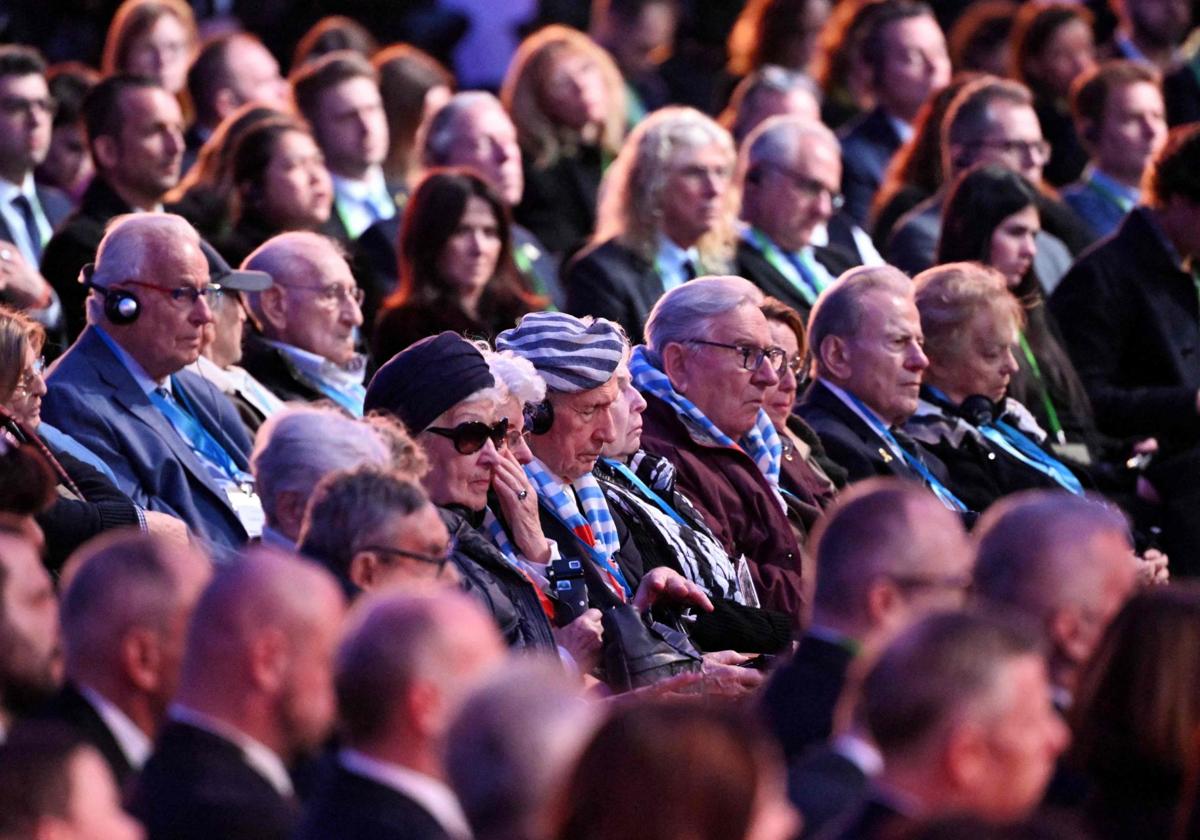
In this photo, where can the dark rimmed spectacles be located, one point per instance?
(752, 357)
(384, 551)
(470, 437)
(809, 187)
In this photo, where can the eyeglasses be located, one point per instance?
(752, 357)
(809, 187)
(35, 370)
(514, 438)
(181, 294)
(438, 560)
(795, 363)
(1033, 149)
(335, 294)
(471, 436)
(13, 106)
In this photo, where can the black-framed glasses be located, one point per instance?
(36, 369)
(1033, 149)
(438, 560)
(12, 106)
(181, 294)
(752, 357)
(471, 436)
(808, 187)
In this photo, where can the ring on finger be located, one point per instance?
(522, 495)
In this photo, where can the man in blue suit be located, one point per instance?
(173, 440)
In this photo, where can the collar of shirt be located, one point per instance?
(261, 758)
(671, 258)
(362, 202)
(340, 377)
(430, 793)
(904, 130)
(134, 743)
(873, 420)
(15, 222)
(138, 372)
(1107, 183)
(860, 752)
(234, 379)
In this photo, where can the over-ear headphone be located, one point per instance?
(120, 305)
(979, 410)
(539, 417)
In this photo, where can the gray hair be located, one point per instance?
(1034, 550)
(133, 244)
(839, 311)
(298, 446)
(631, 192)
(780, 140)
(687, 311)
(511, 742)
(748, 95)
(289, 257)
(517, 375)
(349, 508)
(437, 134)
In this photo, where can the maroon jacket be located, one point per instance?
(736, 501)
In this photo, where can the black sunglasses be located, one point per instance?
(471, 436)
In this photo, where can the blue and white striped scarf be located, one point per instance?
(499, 537)
(595, 517)
(761, 443)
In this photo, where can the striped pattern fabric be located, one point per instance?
(572, 355)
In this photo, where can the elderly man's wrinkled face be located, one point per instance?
(318, 309)
(30, 655)
(883, 363)
(788, 199)
(168, 333)
(627, 416)
(486, 140)
(583, 426)
(715, 378)
(1023, 738)
(454, 478)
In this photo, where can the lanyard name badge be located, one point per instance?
(795, 271)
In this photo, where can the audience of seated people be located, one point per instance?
(766, 539)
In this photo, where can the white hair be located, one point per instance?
(518, 375)
(437, 134)
(780, 140)
(133, 244)
(300, 445)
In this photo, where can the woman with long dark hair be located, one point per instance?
(456, 267)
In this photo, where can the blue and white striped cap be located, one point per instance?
(571, 354)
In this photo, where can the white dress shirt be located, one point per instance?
(134, 743)
(431, 794)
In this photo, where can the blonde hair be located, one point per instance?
(17, 332)
(949, 296)
(539, 135)
(631, 194)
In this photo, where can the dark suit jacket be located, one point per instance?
(610, 281)
(848, 440)
(753, 265)
(868, 144)
(826, 786)
(74, 245)
(352, 807)
(197, 786)
(55, 204)
(71, 708)
(96, 400)
(876, 819)
(800, 697)
(1131, 324)
(559, 203)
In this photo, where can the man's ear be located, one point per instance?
(104, 150)
(834, 357)
(274, 309)
(362, 570)
(882, 600)
(675, 366)
(269, 659)
(140, 658)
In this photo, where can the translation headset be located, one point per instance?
(539, 417)
(121, 306)
(979, 410)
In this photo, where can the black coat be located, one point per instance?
(799, 700)
(609, 280)
(74, 245)
(352, 807)
(197, 786)
(559, 203)
(754, 266)
(268, 365)
(70, 708)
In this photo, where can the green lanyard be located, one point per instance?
(1121, 202)
(780, 263)
(1035, 368)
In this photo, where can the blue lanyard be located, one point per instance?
(197, 436)
(940, 490)
(351, 403)
(633, 479)
(1015, 443)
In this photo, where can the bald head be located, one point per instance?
(129, 586)
(260, 647)
(1064, 560)
(888, 552)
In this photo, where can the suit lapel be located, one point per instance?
(825, 399)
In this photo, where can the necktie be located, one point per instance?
(689, 270)
(25, 208)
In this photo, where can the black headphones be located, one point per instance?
(979, 410)
(120, 305)
(539, 417)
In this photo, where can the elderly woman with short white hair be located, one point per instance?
(667, 214)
